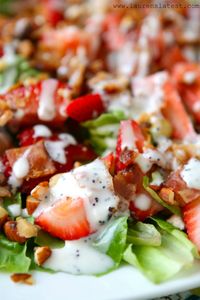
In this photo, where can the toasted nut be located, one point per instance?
(26, 229)
(10, 229)
(3, 216)
(41, 190)
(22, 278)
(168, 196)
(4, 192)
(41, 255)
(77, 164)
(31, 204)
(5, 117)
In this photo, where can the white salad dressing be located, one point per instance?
(93, 183)
(142, 202)
(177, 221)
(2, 168)
(190, 77)
(79, 257)
(14, 209)
(191, 173)
(56, 149)
(128, 137)
(144, 163)
(41, 131)
(46, 109)
(149, 157)
(20, 169)
(148, 94)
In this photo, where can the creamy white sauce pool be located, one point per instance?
(93, 184)
(191, 173)
(47, 109)
(79, 257)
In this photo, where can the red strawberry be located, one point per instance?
(66, 219)
(130, 140)
(191, 217)
(85, 108)
(175, 113)
(30, 96)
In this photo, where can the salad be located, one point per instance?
(99, 138)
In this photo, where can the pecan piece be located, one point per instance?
(10, 229)
(31, 204)
(22, 278)
(41, 255)
(3, 216)
(26, 229)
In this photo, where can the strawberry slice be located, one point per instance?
(130, 140)
(176, 114)
(66, 219)
(86, 108)
(25, 102)
(191, 217)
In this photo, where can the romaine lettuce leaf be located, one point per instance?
(162, 262)
(174, 209)
(13, 256)
(103, 131)
(13, 200)
(144, 234)
(112, 240)
(15, 69)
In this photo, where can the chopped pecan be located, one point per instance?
(10, 229)
(168, 196)
(3, 216)
(22, 278)
(31, 204)
(4, 192)
(40, 192)
(26, 229)
(41, 254)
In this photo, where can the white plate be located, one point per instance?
(125, 283)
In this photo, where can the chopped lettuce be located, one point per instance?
(13, 256)
(14, 68)
(45, 239)
(112, 240)
(174, 209)
(142, 234)
(162, 262)
(13, 203)
(103, 131)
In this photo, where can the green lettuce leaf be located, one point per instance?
(15, 199)
(174, 209)
(162, 262)
(45, 239)
(13, 256)
(15, 69)
(103, 131)
(112, 240)
(143, 234)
